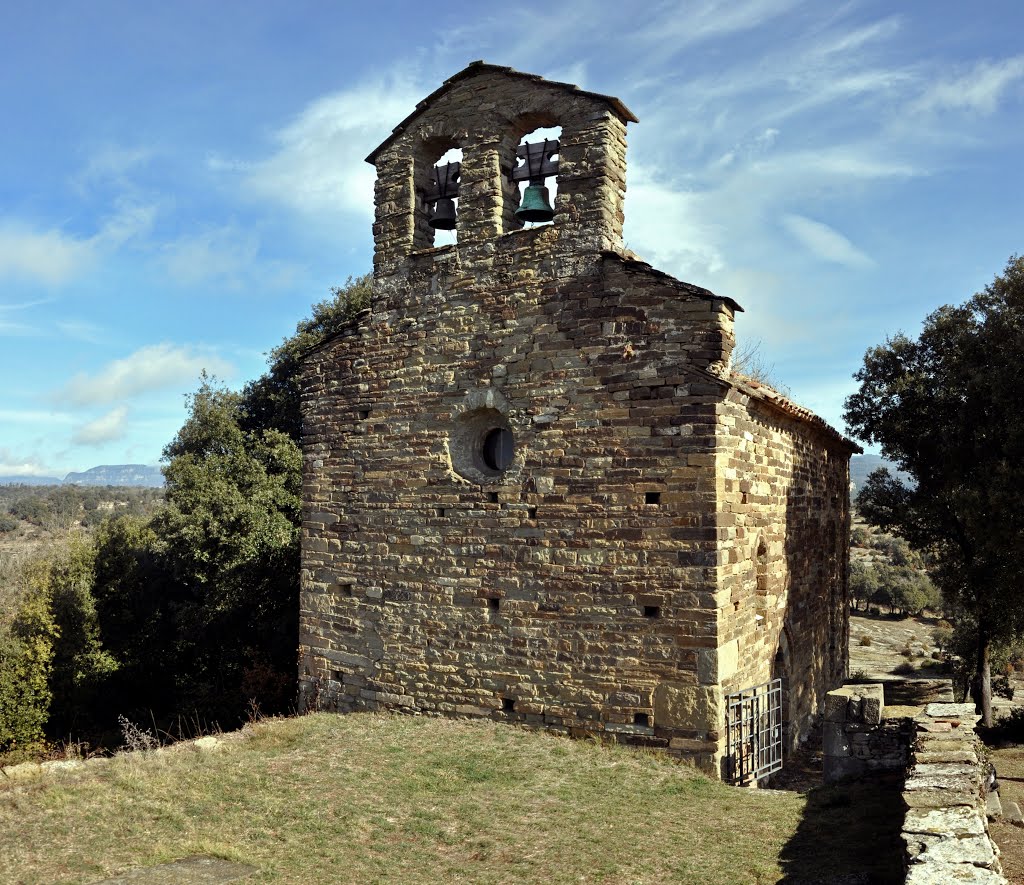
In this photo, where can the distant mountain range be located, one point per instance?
(862, 465)
(146, 475)
(104, 475)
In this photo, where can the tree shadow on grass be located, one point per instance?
(849, 835)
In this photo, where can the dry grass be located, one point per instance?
(368, 798)
(1009, 762)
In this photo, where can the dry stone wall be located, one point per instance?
(946, 826)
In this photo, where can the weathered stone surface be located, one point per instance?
(944, 822)
(686, 707)
(945, 830)
(1012, 813)
(952, 874)
(855, 703)
(949, 849)
(967, 712)
(660, 524)
(993, 806)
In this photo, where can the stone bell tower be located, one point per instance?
(485, 110)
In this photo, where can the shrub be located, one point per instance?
(865, 640)
(904, 669)
(26, 662)
(1008, 729)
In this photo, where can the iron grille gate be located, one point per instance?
(753, 727)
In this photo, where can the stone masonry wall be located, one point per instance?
(585, 586)
(554, 593)
(858, 738)
(783, 524)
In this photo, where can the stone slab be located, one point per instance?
(993, 806)
(187, 871)
(975, 850)
(951, 711)
(952, 874)
(958, 822)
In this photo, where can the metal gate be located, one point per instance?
(753, 728)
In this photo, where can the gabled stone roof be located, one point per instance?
(764, 393)
(479, 67)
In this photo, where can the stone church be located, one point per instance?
(534, 491)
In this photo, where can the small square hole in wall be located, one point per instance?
(346, 589)
(336, 675)
(492, 497)
(364, 414)
(493, 603)
(441, 511)
(652, 497)
(531, 512)
(652, 611)
(508, 705)
(642, 719)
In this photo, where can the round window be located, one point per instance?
(482, 445)
(497, 448)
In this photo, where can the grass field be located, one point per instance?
(380, 799)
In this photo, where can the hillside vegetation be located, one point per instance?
(185, 614)
(369, 798)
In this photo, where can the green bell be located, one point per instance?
(536, 205)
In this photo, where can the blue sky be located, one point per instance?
(179, 182)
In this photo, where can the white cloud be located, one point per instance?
(110, 164)
(980, 89)
(14, 464)
(106, 428)
(227, 256)
(826, 242)
(50, 256)
(671, 28)
(671, 227)
(319, 164)
(55, 257)
(156, 367)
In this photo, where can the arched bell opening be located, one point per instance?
(530, 173)
(438, 175)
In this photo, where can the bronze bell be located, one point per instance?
(443, 215)
(536, 204)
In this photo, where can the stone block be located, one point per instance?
(975, 850)
(835, 739)
(952, 874)
(951, 711)
(855, 703)
(716, 665)
(993, 806)
(957, 822)
(837, 768)
(687, 707)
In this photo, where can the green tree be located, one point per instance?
(271, 402)
(229, 539)
(947, 408)
(26, 664)
(81, 665)
(863, 582)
